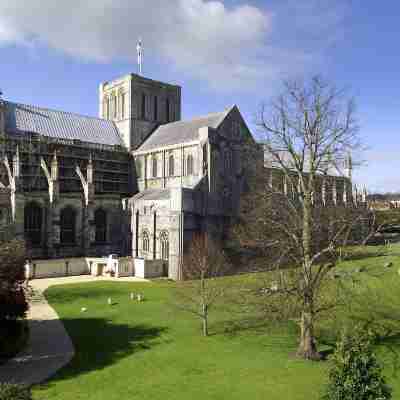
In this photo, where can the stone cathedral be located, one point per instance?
(135, 181)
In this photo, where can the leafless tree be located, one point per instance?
(308, 132)
(202, 286)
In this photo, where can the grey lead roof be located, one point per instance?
(153, 194)
(182, 131)
(22, 119)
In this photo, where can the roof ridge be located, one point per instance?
(196, 118)
(60, 111)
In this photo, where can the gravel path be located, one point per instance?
(49, 346)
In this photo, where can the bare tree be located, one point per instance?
(308, 132)
(202, 285)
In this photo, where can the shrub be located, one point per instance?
(356, 373)
(12, 277)
(9, 391)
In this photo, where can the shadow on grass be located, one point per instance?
(100, 343)
(364, 255)
(237, 327)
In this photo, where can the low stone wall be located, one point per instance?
(95, 266)
(56, 268)
(149, 268)
(125, 267)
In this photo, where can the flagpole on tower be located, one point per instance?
(139, 49)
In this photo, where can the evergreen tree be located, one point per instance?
(356, 373)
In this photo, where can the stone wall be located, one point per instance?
(57, 268)
(141, 105)
(163, 177)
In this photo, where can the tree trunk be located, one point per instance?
(307, 348)
(205, 320)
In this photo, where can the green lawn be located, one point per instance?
(151, 351)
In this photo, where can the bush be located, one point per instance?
(356, 373)
(12, 277)
(10, 391)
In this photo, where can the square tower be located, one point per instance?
(138, 105)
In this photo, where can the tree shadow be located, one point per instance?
(99, 343)
(364, 255)
(232, 328)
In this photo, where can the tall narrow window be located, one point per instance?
(154, 166)
(143, 106)
(145, 242)
(164, 246)
(227, 161)
(105, 108)
(100, 222)
(122, 105)
(171, 166)
(138, 165)
(109, 108)
(189, 165)
(33, 223)
(155, 108)
(167, 110)
(115, 107)
(205, 158)
(68, 225)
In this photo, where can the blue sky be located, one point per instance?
(220, 52)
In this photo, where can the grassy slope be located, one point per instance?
(150, 351)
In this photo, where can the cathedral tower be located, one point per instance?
(138, 105)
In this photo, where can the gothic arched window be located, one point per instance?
(67, 225)
(105, 108)
(100, 222)
(143, 106)
(171, 166)
(115, 106)
(122, 104)
(145, 242)
(227, 160)
(155, 108)
(167, 107)
(33, 223)
(164, 246)
(189, 165)
(109, 107)
(138, 165)
(154, 166)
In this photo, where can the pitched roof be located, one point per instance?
(182, 131)
(153, 194)
(22, 119)
(287, 160)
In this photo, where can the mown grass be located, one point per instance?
(150, 350)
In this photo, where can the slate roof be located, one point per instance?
(22, 119)
(153, 194)
(182, 131)
(269, 161)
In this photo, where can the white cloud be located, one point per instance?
(228, 47)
